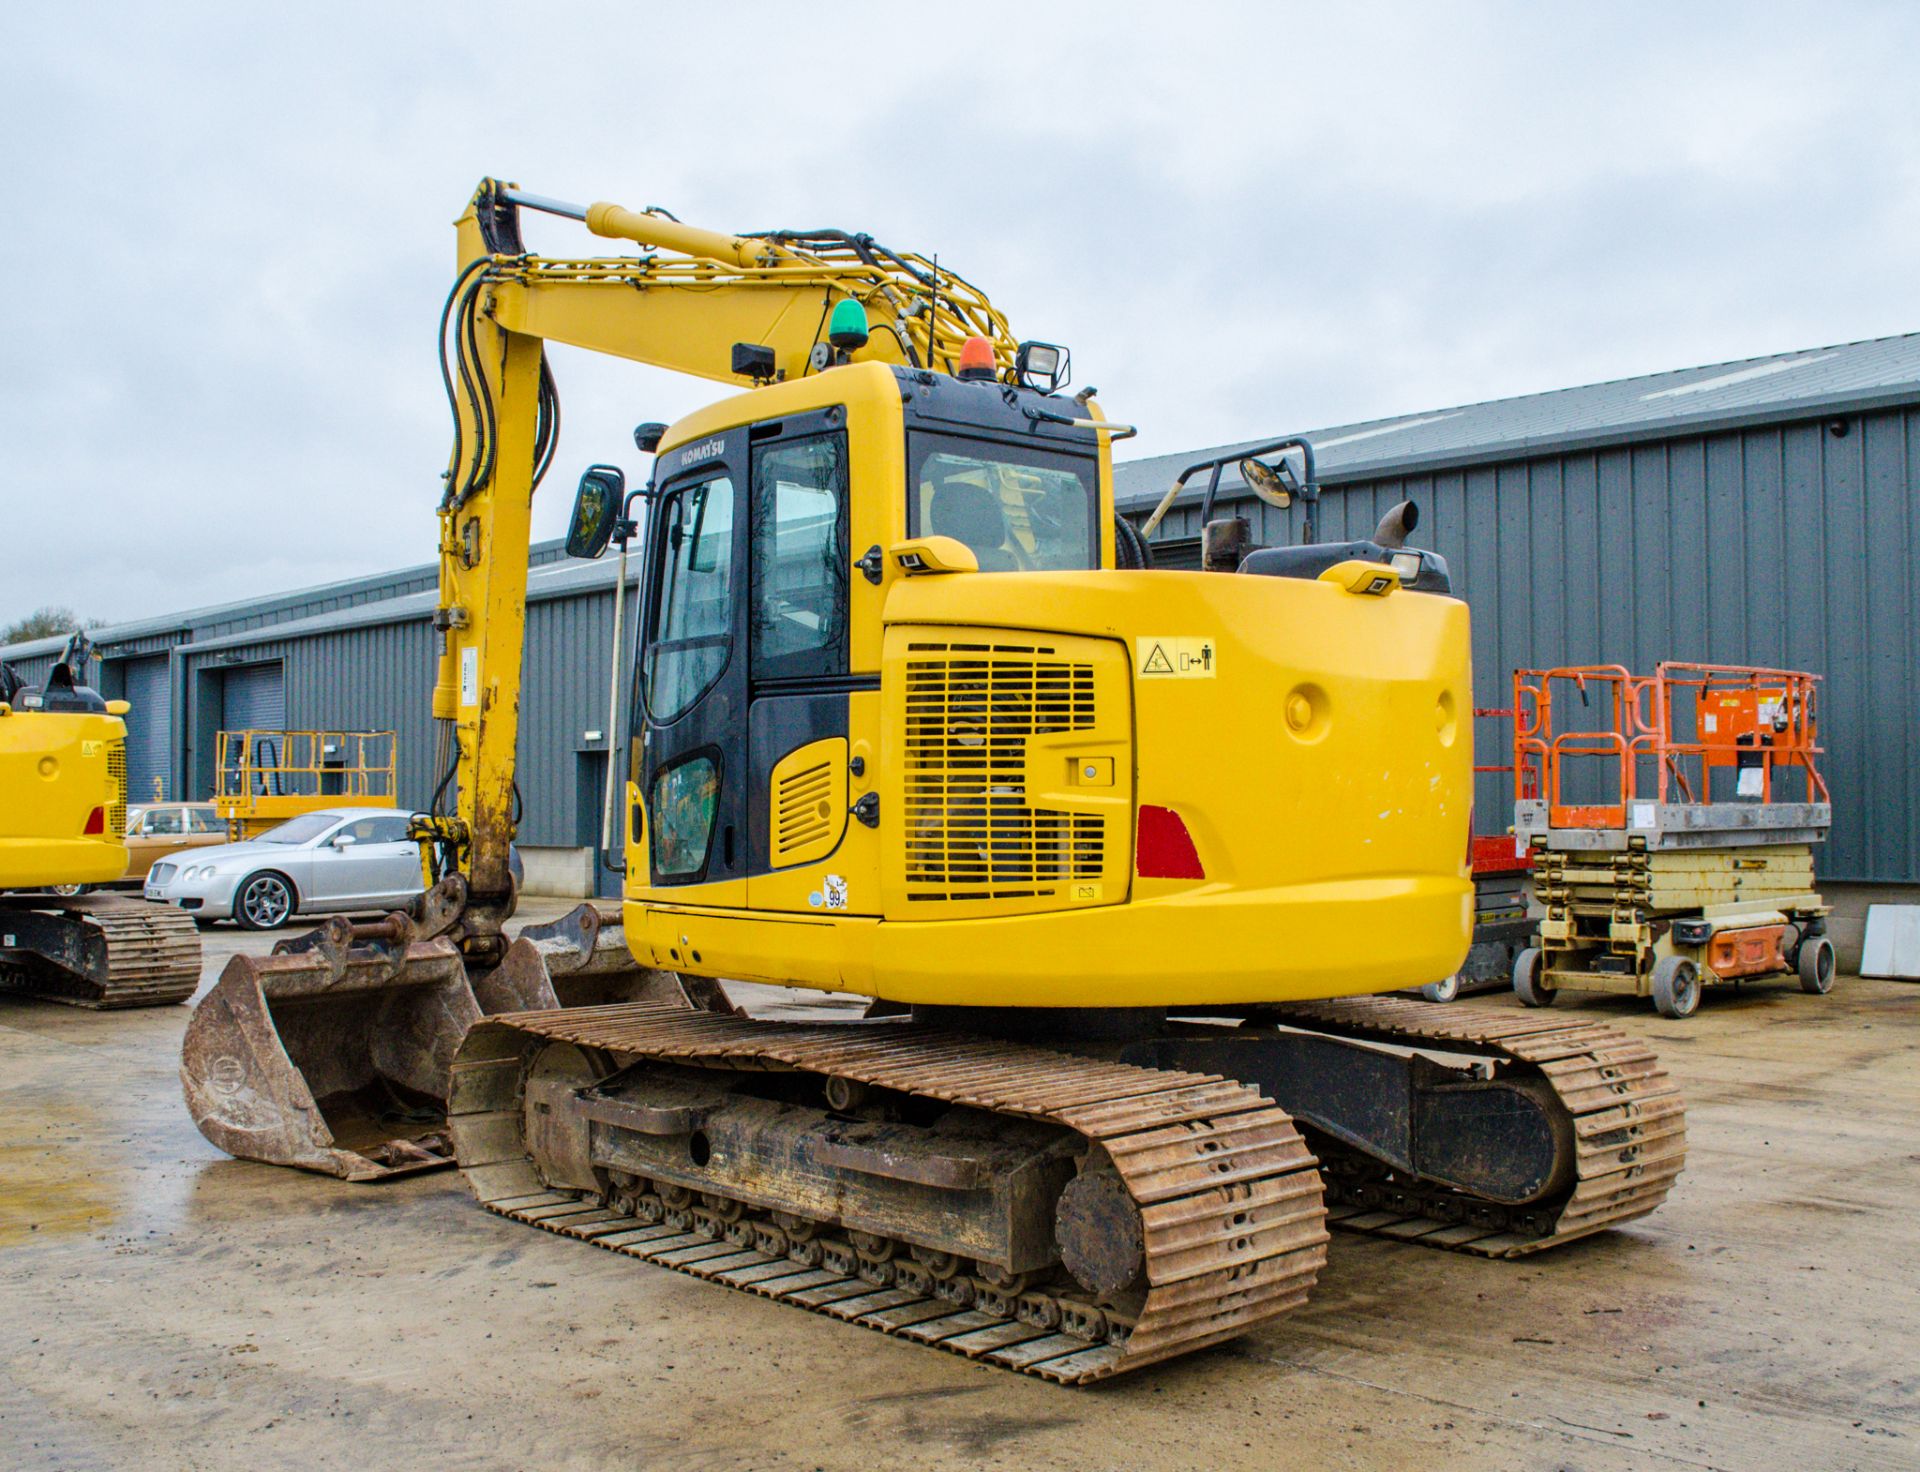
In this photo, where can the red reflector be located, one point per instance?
(1165, 849)
(96, 821)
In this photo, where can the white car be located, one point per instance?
(333, 859)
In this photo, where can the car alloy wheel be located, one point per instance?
(265, 902)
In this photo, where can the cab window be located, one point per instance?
(684, 803)
(1021, 508)
(800, 557)
(693, 620)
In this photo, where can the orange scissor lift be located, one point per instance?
(1671, 818)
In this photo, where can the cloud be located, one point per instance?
(231, 225)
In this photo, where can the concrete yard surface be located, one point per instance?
(162, 1306)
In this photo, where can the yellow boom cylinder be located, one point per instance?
(616, 222)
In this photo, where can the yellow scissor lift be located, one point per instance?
(267, 777)
(1671, 818)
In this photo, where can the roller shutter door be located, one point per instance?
(148, 689)
(253, 697)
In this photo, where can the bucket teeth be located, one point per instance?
(582, 960)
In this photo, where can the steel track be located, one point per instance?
(139, 955)
(1629, 1126)
(1229, 1197)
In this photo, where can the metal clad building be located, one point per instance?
(1761, 512)
(1754, 512)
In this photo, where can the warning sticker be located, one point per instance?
(469, 676)
(1176, 659)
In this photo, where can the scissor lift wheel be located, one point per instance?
(1814, 961)
(1676, 986)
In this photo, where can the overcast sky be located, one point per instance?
(232, 224)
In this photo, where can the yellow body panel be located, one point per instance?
(55, 769)
(807, 803)
(1322, 766)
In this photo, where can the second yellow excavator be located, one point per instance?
(63, 823)
(1114, 848)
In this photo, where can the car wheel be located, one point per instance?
(263, 902)
(68, 891)
(1441, 991)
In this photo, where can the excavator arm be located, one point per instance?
(739, 309)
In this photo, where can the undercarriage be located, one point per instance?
(99, 951)
(1068, 1214)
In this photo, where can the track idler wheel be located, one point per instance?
(1101, 1238)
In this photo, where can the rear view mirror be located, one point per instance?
(344, 840)
(596, 510)
(1274, 486)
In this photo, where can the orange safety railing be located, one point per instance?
(1667, 736)
(1497, 853)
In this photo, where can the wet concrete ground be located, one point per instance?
(162, 1306)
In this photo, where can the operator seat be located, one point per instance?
(969, 513)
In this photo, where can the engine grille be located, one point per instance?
(161, 873)
(117, 805)
(969, 833)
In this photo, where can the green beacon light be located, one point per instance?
(847, 327)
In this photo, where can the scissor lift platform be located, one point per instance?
(1671, 851)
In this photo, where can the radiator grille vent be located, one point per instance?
(802, 810)
(117, 805)
(969, 832)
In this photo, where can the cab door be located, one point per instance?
(693, 695)
(811, 848)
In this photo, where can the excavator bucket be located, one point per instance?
(333, 1053)
(582, 960)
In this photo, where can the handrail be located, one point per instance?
(1687, 719)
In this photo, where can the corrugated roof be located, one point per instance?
(1850, 377)
(372, 591)
(544, 580)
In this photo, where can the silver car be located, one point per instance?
(333, 859)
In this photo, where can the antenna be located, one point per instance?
(933, 315)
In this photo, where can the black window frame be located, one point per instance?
(829, 659)
(676, 491)
(924, 443)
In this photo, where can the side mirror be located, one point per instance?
(1273, 485)
(596, 510)
(343, 840)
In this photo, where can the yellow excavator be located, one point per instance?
(1115, 850)
(63, 821)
